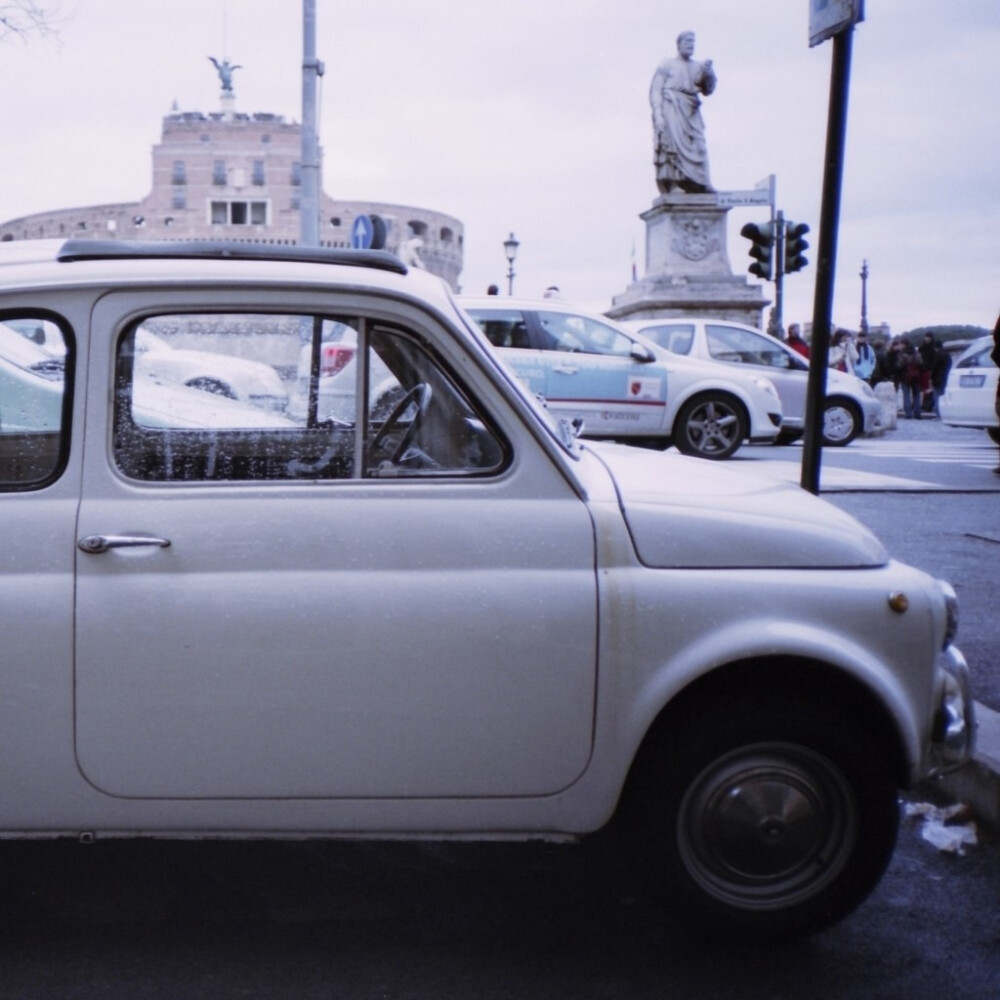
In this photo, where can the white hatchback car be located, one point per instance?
(969, 398)
(534, 634)
(850, 408)
(622, 387)
(222, 372)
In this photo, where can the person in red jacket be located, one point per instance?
(795, 342)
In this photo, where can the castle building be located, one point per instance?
(236, 176)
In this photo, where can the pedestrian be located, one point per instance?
(926, 351)
(795, 342)
(864, 367)
(881, 370)
(940, 367)
(995, 355)
(843, 353)
(912, 379)
(894, 362)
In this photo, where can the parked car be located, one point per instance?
(969, 398)
(211, 371)
(335, 377)
(41, 334)
(620, 386)
(31, 384)
(535, 634)
(850, 408)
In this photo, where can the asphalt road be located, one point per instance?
(513, 922)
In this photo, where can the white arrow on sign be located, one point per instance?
(361, 233)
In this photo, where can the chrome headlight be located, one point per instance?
(951, 611)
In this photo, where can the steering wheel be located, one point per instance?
(421, 395)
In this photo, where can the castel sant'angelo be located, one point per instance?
(234, 175)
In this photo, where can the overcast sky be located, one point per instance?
(532, 116)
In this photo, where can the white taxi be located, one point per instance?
(620, 386)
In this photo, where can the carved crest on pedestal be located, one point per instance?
(695, 239)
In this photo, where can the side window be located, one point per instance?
(675, 337)
(257, 396)
(503, 329)
(567, 332)
(34, 401)
(728, 343)
(418, 420)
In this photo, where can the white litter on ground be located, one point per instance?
(948, 828)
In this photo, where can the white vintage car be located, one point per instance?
(534, 635)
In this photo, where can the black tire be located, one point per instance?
(212, 385)
(842, 422)
(712, 425)
(652, 443)
(788, 436)
(769, 823)
(994, 433)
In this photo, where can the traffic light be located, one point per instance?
(761, 237)
(794, 246)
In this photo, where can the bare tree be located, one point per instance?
(26, 18)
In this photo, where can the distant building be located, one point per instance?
(229, 175)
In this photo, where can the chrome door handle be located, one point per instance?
(565, 369)
(101, 543)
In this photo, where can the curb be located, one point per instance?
(977, 784)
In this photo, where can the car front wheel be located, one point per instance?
(710, 426)
(841, 423)
(764, 824)
(212, 385)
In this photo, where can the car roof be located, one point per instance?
(638, 324)
(509, 302)
(119, 263)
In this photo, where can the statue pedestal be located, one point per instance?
(687, 267)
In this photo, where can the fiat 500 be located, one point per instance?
(535, 636)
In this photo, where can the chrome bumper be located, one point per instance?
(954, 732)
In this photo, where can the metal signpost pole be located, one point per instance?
(777, 325)
(826, 257)
(312, 68)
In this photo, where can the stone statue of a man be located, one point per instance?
(680, 152)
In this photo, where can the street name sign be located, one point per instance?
(733, 199)
(829, 17)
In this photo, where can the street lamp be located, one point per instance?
(864, 297)
(510, 246)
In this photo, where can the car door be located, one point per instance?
(400, 607)
(39, 491)
(592, 371)
(762, 355)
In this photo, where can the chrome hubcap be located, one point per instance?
(837, 423)
(767, 825)
(712, 428)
